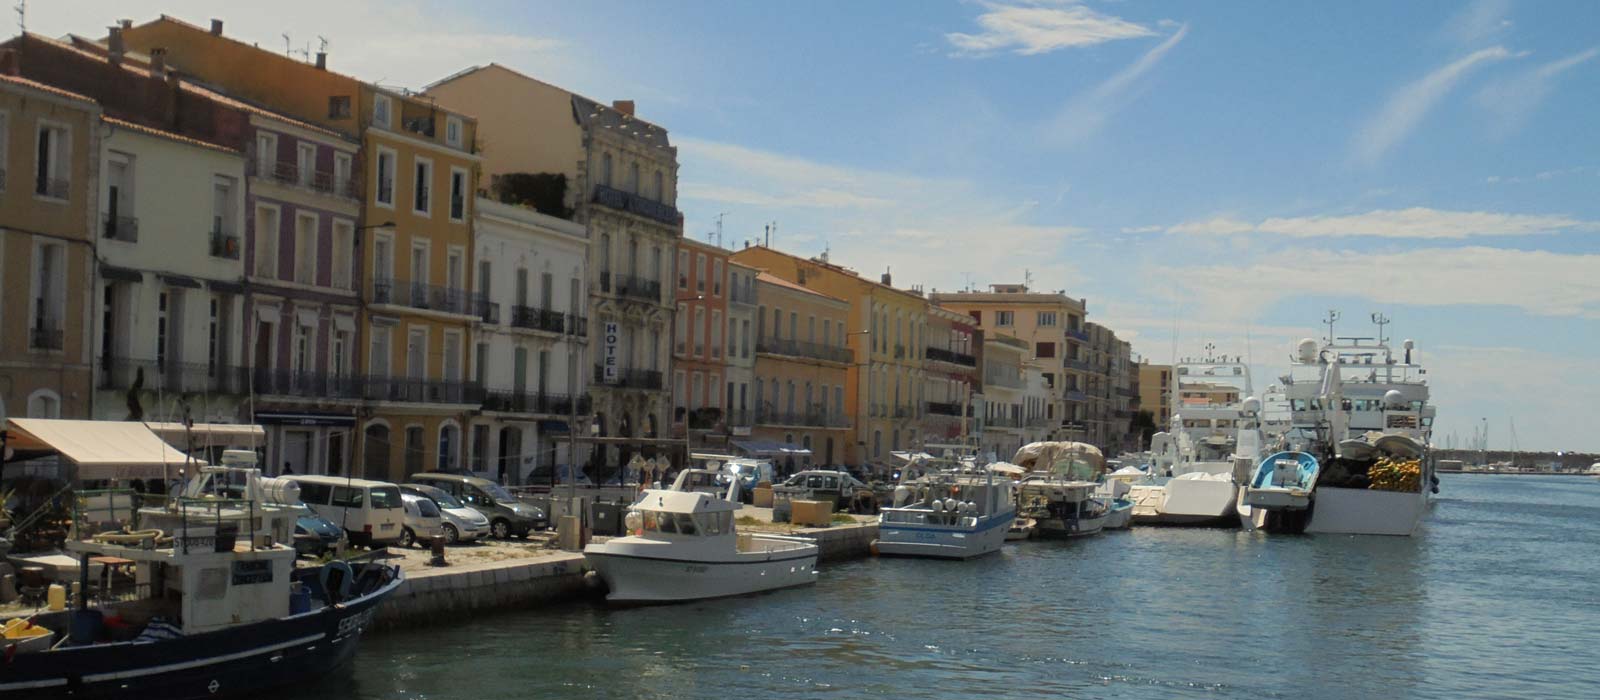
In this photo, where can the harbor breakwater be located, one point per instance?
(432, 596)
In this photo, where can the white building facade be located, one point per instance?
(531, 349)
(168, 310)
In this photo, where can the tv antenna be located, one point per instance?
(1381, 320)
(1333, 315)
(22, 16)
(719, 228)
(288, 46)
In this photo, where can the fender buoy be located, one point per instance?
(873, 548)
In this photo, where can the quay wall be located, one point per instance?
(457, 591)
(842, 542)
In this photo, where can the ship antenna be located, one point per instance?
(1381, 321)
(1333, 315)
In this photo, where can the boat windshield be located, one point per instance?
(687, 523)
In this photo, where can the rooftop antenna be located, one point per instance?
(1210, 351)
(288, 46)
(1381, 320)
(719, 228)
(767, 236)
(322, 43)
(22, 16)
(1333, 315)
(1027, 279)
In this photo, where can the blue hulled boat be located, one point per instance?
(1284, 481)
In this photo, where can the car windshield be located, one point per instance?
(499, 493)
(385, 497)
(443, 498)
(427, 508)
(307, 512)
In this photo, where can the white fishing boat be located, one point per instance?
(1059, 490)
(1114, 492)
(1364, 414)
(949, 511)
(1212, 445)
(683, 546)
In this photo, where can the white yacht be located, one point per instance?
(951, 511)
(1364, 414)
(1059, 492)
(683, 546)
(1212, 446)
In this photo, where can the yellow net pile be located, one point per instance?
(1390, 474)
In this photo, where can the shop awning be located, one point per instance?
(212, 434)
(100, 449)
(226, 287)
(770, 448)
(121, 273)
(305, 418)
(181, 281)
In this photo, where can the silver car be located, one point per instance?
(423, 520)
(461, 524)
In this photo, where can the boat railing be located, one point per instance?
(921, 515)
(115, 517)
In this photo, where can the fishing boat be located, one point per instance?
(1211, 447)
(945, 508)
(684, 545)
(1283, 482)
(214, 605)
(1363, 412)
(1114, 492)
(1059, 490)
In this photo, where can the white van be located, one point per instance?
(371, 511)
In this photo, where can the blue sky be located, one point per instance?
(1231, 170)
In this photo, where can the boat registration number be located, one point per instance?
(696, 568)
(926, 536)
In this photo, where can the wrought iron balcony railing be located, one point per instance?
(413, 390)
(306, 383)
(630, 286)
(956, 358)
(121, 228)
(802, 348)
(810, 419)
(647, 379)
(513, 401)
(175, 377)
(1077, 334)
(52, 187)
(537, 319)
(224, 245)
(940, 408)
(289, 173)
(635, 204)
(46, 337)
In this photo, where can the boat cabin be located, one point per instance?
(679, 514)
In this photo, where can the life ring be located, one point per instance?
(335, 578)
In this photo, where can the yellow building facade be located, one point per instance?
(801, 371)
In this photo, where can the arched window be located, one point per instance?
(449, 443)
(44, 404)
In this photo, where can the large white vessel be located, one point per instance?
(683, 546)
(953, 512)
(1212, 446)
(1364, 414)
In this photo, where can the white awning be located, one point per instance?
(211, 434)
(101, 449)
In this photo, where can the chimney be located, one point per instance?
(158, 62)
(10, 62)
(322, 60)
(127, 24)
(114, 47)
(886, 278)
(623, 106)
(216, 27)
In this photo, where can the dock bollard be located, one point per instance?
(437, 547)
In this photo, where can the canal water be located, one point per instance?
(1498, 597)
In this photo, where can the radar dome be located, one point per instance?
(1408, 344)
(1306, 349)
(1252, 405)
(1393, 398)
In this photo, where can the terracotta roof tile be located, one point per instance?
(180, 138)
(43, 87)
(770, 278)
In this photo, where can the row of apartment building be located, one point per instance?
(473, 277)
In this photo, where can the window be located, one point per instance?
(385, 180)
(700, 273)
(381, 105)
(449, 440)
(733, 337)
(744, 339)
(378, 362)
(1044, 350)
(339, 354)
(344, 245)
(679, 395)
(1002, 318)
(53, 167)
(458, 194)
(163, 327)
(480, 363)
(5, 134)
(305, 164)
(452, 131)
(660, 194)
(683, 269)
(413, 448)
(300, 352)
(682, 330)
(715, 397)
(422, 187)
(455, 270)
(417, 353)
(305, 249)
(49, 296)
(827, 332)
(1047, 318)
(338, 106)
(633, 178)
(716, 334)
(44, 404)
(267, 232)
(716, 278)
(811, 329)
(342, 165)
(452, 356)
(419, 261)
(695, 399)
(699, 331)
(222, 213)
(605, 169)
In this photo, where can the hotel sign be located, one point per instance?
(610, 373)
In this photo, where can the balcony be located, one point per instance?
(489, 312)
(631, 286)
(1003, 422)
(176, 377)
(902, 412)
(945, 409)
(305, 383)
(287, 173)
(802, 348)
(45, 337)
(121, 228)
(224, 245)
(1075, 395)
(513, 401)
(577, 325)
(637, 205)
(1127, 393)
(537, 319)
(413, 390)
(737, 417)
(54, 187)
(1079, 365)
(810, 419)
(418, 295)
(1077, 334)
(644, 379)
(955, 358)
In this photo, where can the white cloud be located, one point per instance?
(1084, 115)
(1416, 222)
(1031, 28)
(1407, 106)
(1512, 100)
(1540, 283)
(1478, 21)
(931, 230)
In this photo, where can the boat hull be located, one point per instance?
(1366, 512)
(943, 542)
(246, 659)
(1120, 517)
(635, 579)
(1184, 502)
(1057, 528)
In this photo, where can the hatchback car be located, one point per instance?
(423, 520)
(461, 524)
(507, 516)
(315, 535)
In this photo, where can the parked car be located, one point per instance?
(315, 535)
(370, 511)
(847, 492)
(461, 524)
(423, 520)
(507, 516)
